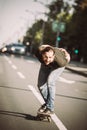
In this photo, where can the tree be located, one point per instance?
(55, 8)
(75, 35)
(77, 30)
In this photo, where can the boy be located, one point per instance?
(53, 61)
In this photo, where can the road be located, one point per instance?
(20, 98)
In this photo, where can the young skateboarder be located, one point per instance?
(53, 61)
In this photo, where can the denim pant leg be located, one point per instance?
(53, 76)
(42, 81)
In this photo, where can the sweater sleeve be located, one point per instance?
(38, 55)
(62, 57)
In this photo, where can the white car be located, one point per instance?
(18, 49)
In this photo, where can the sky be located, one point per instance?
(17, 15)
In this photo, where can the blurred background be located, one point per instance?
(59, 23)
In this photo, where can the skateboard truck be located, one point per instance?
(43, 117)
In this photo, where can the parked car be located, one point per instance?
(5, 49)
(17, 48)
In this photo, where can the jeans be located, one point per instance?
(46, 84)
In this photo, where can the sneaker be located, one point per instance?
(48, 111)
(42, 108)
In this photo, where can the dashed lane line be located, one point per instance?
(6, 58)
(14, 67)
(29, 61)
(10, 62)
(56, 120)
(21, 75)
(66, 81)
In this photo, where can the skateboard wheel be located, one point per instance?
(49, 119)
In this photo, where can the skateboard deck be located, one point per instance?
(43, 116)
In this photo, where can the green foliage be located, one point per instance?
(55, 8)
(75, 34)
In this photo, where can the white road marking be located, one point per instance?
(14, 67)
(66, 81)
(6, 58)
(37, 95)
(21, 75)
(10, 62)
(29, 61)
(56, 120)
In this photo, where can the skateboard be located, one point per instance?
(43, 116)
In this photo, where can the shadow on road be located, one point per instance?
(18, 114)
(14, 88)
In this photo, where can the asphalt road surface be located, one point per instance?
(20, 98)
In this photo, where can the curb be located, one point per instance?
(75, 71)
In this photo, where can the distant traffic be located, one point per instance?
(14, 48)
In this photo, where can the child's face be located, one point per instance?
(48, 57)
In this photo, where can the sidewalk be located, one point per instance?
(77, 67)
